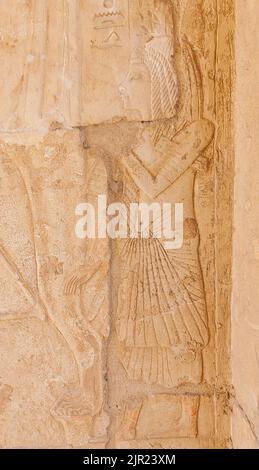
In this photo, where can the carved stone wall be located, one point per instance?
(245, 423)
(117, 343)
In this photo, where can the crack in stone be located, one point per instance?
(246, 417)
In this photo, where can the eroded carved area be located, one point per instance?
(64, 62)
(124, 332)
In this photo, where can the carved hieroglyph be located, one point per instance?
(115, 342)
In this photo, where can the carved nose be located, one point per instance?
(108, 3)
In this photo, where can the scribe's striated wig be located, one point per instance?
(164, 90)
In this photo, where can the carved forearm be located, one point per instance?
(151, 185)
(178, 154)
(185, 148)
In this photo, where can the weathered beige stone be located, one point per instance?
(245, 325)
(125, 343)
(65, 61)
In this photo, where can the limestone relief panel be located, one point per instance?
(117, 333)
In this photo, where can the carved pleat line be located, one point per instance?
(177, 289)
(153, 267)
(167, 314)
(171, 302)
(139, 330)
(188, 304)
(184, 314)
(153, 368)
(146, 367)
(127, 248)
(137, 367)
(148, 265)
(166, 374)
(168, 352)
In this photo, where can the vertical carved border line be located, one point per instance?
(224, 190)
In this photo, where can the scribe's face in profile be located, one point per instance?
(135, 91)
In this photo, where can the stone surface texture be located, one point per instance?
(245, 320)
(128, 342)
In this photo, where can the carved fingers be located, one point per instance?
(82, 276)
(71, 285)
